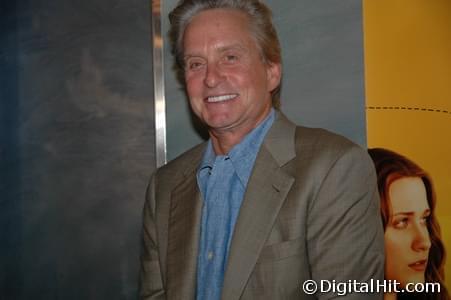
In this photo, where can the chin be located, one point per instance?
(219, 122)
(217, 125)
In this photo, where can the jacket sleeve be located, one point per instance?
(151, 283)
(345, 234)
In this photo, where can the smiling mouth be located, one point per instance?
(419, 265)
(221, 98)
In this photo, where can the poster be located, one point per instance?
(408, 91)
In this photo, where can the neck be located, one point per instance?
(224, 140)
(390, 296)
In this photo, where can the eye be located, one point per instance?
(401, 223)
(193, 64)
(426, 219)
(231, 58)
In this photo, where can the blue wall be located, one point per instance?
(76, 146)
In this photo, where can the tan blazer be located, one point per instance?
(310, 211)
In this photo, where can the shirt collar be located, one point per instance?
(209, 157)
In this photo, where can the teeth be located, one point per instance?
(221, 98)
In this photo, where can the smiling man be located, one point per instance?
(228, 82)
(264, 205)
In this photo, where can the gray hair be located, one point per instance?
(260, 21)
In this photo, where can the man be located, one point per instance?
(263, 206)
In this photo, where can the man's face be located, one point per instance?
(228, 84)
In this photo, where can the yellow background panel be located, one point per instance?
(407, 74)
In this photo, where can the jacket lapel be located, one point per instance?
(183, 238)
(265, 194)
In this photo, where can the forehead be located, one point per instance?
(217, 26)
(408, 194)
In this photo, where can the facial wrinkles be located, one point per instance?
(229, 90)
(211, 54)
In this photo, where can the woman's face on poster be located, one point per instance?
(407, 239)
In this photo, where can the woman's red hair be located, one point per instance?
(391, 166)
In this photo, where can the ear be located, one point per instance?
(273, 75)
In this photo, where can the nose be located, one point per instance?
(213, 76)
(422, 241)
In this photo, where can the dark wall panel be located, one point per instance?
(76, 147)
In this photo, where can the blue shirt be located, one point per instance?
(222, 181)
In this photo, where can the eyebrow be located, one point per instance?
(231, 47)
(410, 213)
(220, 49)
(190, 56)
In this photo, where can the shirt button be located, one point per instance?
(210, 255)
